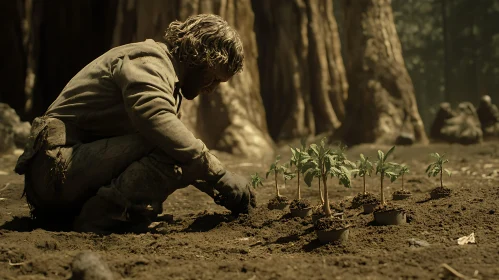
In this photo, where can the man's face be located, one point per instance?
(201, 80)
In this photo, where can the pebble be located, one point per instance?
(89, 266)
(413, 242)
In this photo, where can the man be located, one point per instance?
(111, 149)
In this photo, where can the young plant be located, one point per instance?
(386, 169)
(329, 163)
(256, 180)
(277, 169)
(403, 169)
(437, 167)
(365, 168)
(299, 158)
(286, 173)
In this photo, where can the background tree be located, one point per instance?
(377, 76)
(303, 80)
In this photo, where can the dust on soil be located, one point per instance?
(205, 242)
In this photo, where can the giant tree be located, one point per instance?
(303, 80)
(381, 103)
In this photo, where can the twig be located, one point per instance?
(16, 264)
(454, 272)
(5, 187)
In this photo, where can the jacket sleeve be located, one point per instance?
(147, 84)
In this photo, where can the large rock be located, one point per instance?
(444, 113)
(13, 132)
(7, 143)
(464, 127)
(488, 114)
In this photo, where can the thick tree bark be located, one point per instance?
(12, 55)
(381, 103)
(233, 118)
(68, 35)
(302, 75)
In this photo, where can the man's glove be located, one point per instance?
(234, 193)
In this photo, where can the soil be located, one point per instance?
(300, 204)
(203, 241)
(331, 223)
(441, 191)
(402, 192)
(389, 207)
(361, 199)
(278, 200)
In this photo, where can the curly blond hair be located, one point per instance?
(206, 40)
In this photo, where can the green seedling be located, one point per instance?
(328, 163)
(286, 173)
(256, 180)
(403, 169)
(277, 169)
(299, 157)
(437, 167)
(365, 168)
(386, 169)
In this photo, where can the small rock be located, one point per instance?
(492, 211)
(89, 266)
(405, 139)
(413, 242)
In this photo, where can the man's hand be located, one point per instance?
(234, 193)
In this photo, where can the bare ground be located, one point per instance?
(204, 242)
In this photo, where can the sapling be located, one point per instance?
(365, 168)
(403, 169)
(310, 171)
(299, 158)
(328, 162)
(437, 167)
(387, 169)
(256, 180)
(275, 169)
(286, 173)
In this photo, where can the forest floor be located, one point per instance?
(204, 242)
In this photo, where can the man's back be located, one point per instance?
(93, 100)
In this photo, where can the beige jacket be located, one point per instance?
(129, 89)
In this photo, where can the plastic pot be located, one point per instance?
(390, 217)
(369, 208)
(333, 235)
(301, 213)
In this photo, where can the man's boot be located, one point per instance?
(100, 215)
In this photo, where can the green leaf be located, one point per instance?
(349, 163)
(309, 177)
(267, 175)
(448, 172)
(314, 150)
(381, 156)
(362, 157)
(389, 153)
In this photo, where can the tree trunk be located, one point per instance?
(13, 66)
(69, 35)
(302, 75)
(233, 118)
(381, 103)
